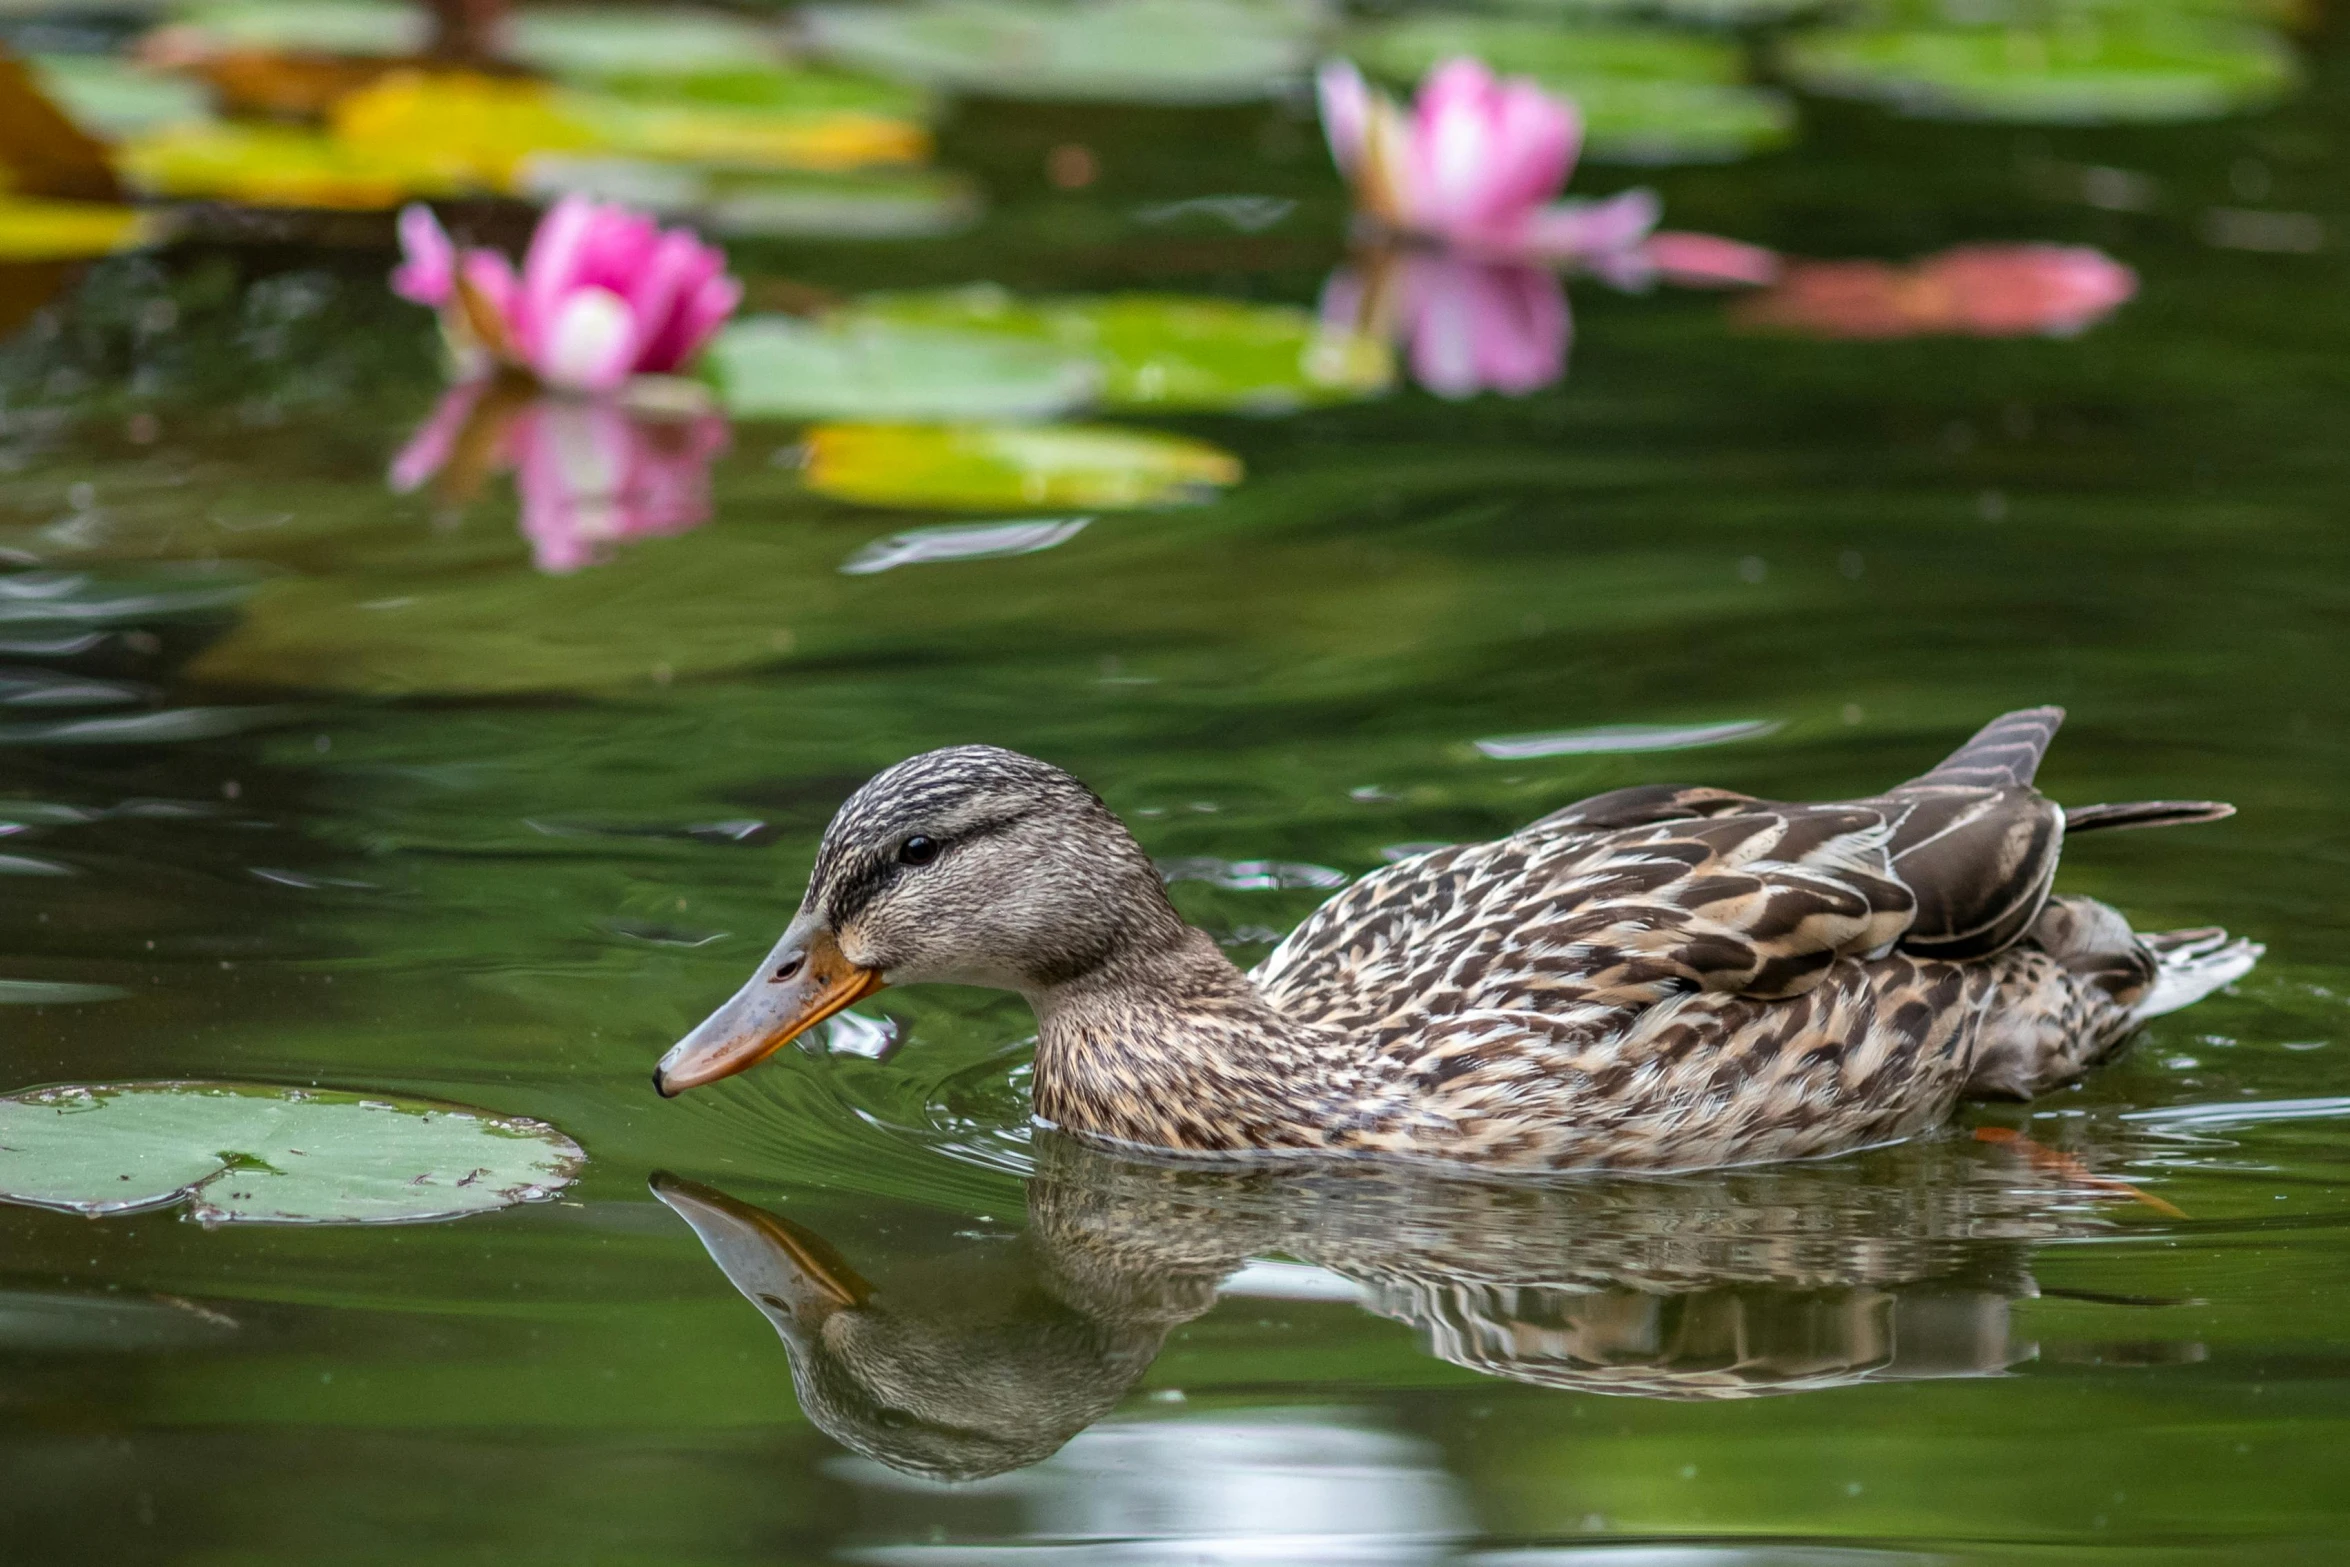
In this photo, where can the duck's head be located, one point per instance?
(972, 865)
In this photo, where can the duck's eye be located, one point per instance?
(917, 850)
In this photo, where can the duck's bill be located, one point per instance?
(804, 981)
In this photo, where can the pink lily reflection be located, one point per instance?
(589, 473)
(1471, 324)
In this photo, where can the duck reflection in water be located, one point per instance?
(1725, 1285)
(590, 472)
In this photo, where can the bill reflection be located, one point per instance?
(589, 473)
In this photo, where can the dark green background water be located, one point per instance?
(467, 783)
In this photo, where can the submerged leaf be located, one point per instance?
(980, 467)
(780, 367)
(237, 1152)
(1144, 51)
(1161, 351)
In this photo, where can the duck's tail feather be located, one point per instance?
(2191, 964)
(2144, 813)
(2004, 753)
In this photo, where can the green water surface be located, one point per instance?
(349, 794)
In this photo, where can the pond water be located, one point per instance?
(313, 782)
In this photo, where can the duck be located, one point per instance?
(1657, 978)
(967, 1359)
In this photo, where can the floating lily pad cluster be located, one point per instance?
(243, 1153)
(982, 354)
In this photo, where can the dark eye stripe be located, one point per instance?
(875, 873)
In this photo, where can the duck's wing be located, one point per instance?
(1757, 901)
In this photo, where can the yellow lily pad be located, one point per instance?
(271, 166)
(36, 229)
(457, 129)
(980, 467)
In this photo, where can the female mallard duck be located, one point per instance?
(1656, 978)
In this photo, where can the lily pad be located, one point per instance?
(245, 1153)
(872, 204)
(360, 27)
(114, 98)
(1646, 96)
(1164, 352)
(35, 229)
(2151, 68)
(983, 467)
(1143, 51)
(598, 41)
(781, 367)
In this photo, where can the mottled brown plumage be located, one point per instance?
(1655, 978)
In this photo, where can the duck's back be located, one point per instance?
(1706, 966)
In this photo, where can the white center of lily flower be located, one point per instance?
(592, 343)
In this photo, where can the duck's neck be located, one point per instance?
(1168, 1045)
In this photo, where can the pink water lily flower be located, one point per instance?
(604, 293)
(1475, 164)
(590, 473)
(1971, 291)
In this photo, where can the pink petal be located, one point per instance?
(1537, 136)
(1710, 261)
(1454, 158)
(551, 269)
(426, 274)
(695, 323)
(1345, 113)
(704, 297)
(1582, 230)
(590, 345)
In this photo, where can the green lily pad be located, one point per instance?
(113, 98)
(781, 367)
(1144, 51)
(1646, 96)
(983, 467)
(877, 204)
(596, 42)
(2150, 68)
(1164, 352)
(360, 27)
(245, 1153)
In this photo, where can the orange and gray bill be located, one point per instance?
(805, 980)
